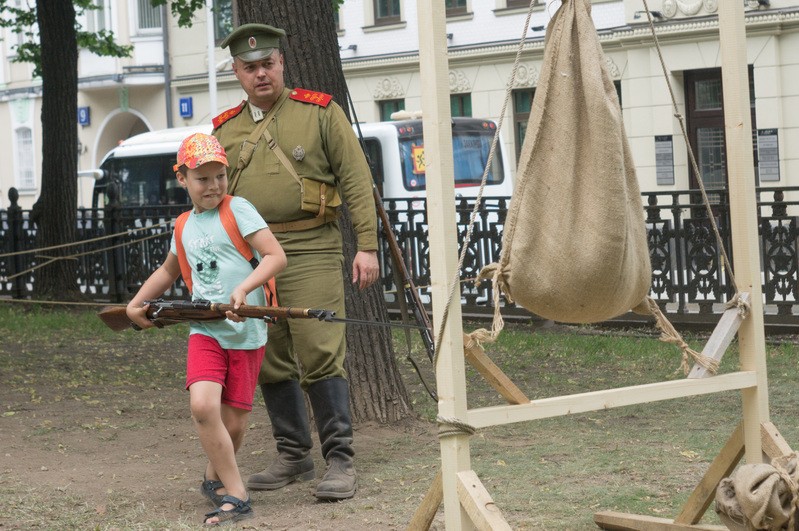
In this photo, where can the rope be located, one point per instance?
(722, 249)
(670, 335)
(60, 303)
(738, 302)
(451, 426)
(92, 240)
(473, 216)
(787, 472)
(51, 259)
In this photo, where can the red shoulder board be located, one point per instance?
(309, 96)
(228, 114)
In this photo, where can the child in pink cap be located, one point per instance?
(224, 357)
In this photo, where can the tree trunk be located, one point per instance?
(312, 62)
(55, 212)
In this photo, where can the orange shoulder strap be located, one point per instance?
(231, 227)
(185, 269)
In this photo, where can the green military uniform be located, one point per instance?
(319, 142)
(305, 161)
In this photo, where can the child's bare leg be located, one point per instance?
(206, 410)
(235, 421)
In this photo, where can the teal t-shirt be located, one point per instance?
(217, 267)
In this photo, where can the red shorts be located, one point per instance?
(235, 369)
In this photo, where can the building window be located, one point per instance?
(223, 19)
(455, 7)
(149, 17)
(522, 104)
(23, 140)
(705, 119)
(386, 11)
(517, 3)
(95, 17)
(460, 104)
(387, 107)
(337, 17)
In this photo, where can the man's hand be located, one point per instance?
(365, 269)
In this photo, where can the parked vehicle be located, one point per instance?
(396, 156)
(141, 166)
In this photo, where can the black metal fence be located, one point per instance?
(120, 246)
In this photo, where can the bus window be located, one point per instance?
(374, 156)
(470, 149)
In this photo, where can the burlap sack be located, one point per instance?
(755, 497)
(574, 243)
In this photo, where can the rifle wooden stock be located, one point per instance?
(165, 313)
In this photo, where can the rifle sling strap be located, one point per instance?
(248, 148)
(245, 155)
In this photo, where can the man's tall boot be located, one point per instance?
(286, 407)
(330, 400)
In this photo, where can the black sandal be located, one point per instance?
(208, 489)
(241, 510)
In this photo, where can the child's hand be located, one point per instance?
(238, 298)
(138, 314)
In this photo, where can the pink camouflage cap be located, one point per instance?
(198, 149)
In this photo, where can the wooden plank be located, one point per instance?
(609, 398)
(720, 339)
(744, 222)
(637, 522)
(721, 467)
(493, 374)
(442, 235)
(773, 444)
(478, 503)
(426, 512)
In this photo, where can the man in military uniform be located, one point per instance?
(294, 155)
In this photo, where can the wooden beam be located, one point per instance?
(476, 356)
(608, 398)
(720, 339)
(426, 512)
(637, 522)
(773, 444)
(721, 467)
(478, 503)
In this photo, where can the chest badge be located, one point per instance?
(298, 153)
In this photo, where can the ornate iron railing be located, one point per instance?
(687, 272)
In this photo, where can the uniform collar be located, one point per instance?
(257, 114)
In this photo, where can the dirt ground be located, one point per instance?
(118, 450)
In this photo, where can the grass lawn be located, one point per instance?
(77, 396)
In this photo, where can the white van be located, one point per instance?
(396, 156)
(142, 167)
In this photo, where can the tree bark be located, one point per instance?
(312, 62)
(55, 212)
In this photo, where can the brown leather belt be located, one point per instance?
(302, 224)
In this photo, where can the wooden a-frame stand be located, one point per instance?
(467, 504)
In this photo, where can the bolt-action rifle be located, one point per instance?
(163, 313)
(410, 294)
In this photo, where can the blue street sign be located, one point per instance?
(186, 107)
(84, 116)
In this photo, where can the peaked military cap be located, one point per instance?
(253, 42)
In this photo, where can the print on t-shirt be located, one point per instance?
(206, 267)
